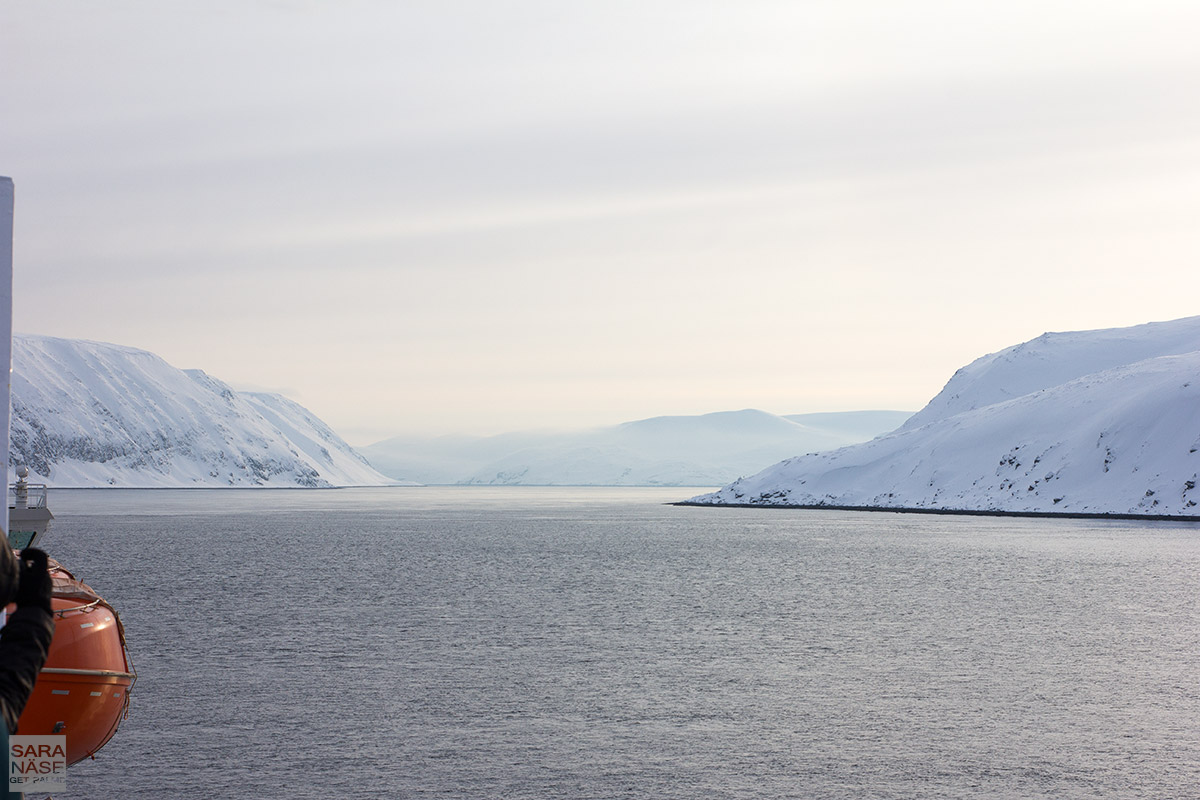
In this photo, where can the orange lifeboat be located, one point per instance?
(83, 690)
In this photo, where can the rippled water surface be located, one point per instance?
(584, 643)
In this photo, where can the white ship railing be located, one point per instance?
(27, 495)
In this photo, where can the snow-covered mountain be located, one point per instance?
(1093, 422)
(91, 414)
(706, 450)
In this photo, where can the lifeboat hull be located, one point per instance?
(82, 691)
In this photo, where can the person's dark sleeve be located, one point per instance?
(24, 643)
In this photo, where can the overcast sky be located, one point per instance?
(486, 216)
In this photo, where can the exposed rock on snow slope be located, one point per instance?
(706, 450)
(91, 414)
(1093, 422)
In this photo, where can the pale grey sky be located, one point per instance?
(483, 216)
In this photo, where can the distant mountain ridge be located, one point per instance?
(1090, 422)
(87, 414)
(703, 450)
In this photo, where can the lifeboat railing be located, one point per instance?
(26, 495)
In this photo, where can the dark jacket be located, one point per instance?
(24, 642)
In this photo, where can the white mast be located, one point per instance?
(6, 271)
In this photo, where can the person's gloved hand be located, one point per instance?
(35, 586)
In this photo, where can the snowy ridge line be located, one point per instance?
(1099, 423)
(693, 451)
(90, 414)
(956, 512)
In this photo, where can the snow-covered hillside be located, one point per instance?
(706, 450)
(1094, 422)
(92, 414)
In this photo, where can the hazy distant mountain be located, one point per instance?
(92, 414)
(665, 451)
(1104, 421)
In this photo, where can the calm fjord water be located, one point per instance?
(593, 643)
